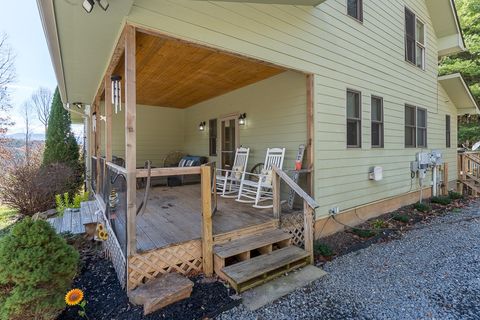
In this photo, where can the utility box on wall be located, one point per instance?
(376, 174)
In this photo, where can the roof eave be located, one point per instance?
(49, 24)
(473, 107)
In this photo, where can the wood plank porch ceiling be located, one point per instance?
(177, 74)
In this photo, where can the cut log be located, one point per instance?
(161, 292)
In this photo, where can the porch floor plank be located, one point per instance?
(173, 215)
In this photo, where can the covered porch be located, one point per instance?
(181, 97)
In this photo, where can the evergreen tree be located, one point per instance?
(468, 64)
(61, 145)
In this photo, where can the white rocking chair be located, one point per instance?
(256, 188)
(228, 181)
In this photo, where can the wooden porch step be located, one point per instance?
(247, 244)
(253, 272)
(161, 292)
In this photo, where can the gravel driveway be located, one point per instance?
(432, 272)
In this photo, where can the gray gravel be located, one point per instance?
(432, 272)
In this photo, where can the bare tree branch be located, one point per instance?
(41, 101)
(7, 76)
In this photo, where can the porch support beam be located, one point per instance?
(130, 138)
(310, 134)
(97, 144)
(108, 119)
(207, 228)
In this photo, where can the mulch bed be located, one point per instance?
(107, 300)
(342, 243)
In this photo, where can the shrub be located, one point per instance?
(37, 267)
(401, 217)
(60, 144)
(63, 201)
(323, 249)
(455, 195)
(441, 200)
(379, 224)
(364, 233)
(422, 207)
(31, 188)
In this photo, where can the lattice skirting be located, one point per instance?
(185, 258)
(294, 224)
(114, 252)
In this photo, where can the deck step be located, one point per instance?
(246, 244)
(253, 272)
(161, 292)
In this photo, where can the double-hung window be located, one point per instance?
(212, 137)
(415, 127)
(377, 122)
(448, 136)
(354, 119)
(414, 40)
(355, 9)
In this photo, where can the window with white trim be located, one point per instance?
(354, 119)
(448, 134)
(355, 9)
(414, 40)
(377, 122)
(415, 127)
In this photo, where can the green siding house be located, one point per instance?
(355, 81)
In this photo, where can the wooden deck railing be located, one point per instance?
(469, 171)
(309, 206)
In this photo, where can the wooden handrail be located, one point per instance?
(116, 168)
(302, 194)
(309, 206)
(170, 171)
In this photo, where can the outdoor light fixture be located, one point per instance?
(201, 126)
(116, 92)
(94, 122)
(88, 5)
(241, 119)
(103, 4)
(78, 105)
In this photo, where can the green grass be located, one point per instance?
(7, 218)
(323, 249)
(441, 200)
(364, 233)
(422, 207)
(401, 217)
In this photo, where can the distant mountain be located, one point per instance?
(21, 136)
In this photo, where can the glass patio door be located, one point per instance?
(229, 140)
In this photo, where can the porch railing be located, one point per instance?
(93, 178)
(469, 171)
(309, 206)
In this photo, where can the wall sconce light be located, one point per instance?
(94, 122)
(88, 5)
(116, 92)
(202, 125)
(241, 119)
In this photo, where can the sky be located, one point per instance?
(20, 20)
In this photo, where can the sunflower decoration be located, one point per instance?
(100, 227)
(103, 235)
(74, 297)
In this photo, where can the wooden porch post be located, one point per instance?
(130, 138)
(108, 117)
(97, 145)
(277, 205)
(308, 216)
(310, 134)
(207, 229)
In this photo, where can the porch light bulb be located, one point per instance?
(241, 119)
(88, 5)
(201, 126)
(103, 4)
